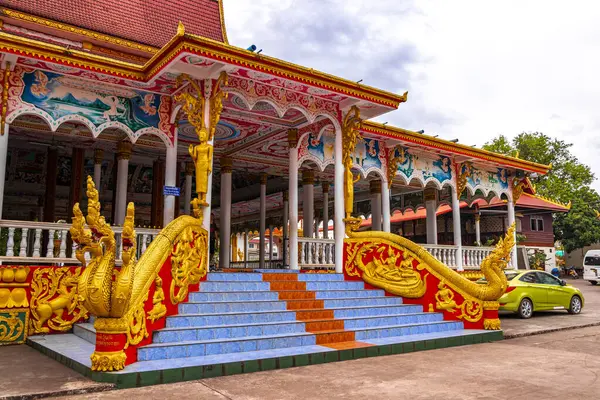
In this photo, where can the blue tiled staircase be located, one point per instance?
(239, 318)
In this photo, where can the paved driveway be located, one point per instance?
(514, 326)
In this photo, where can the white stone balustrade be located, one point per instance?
(46, 243)
(315, 252)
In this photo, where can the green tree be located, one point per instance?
(568, 181)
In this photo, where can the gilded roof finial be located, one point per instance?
(180, 29)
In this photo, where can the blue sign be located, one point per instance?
(171, 191)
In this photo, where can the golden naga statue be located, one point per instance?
(492, 266)
(350, 134)
(103, 297)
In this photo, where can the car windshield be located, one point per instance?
(592, 260)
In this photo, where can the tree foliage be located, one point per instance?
(568, 181)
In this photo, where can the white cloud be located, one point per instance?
(474, 69)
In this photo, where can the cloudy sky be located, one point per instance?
(473, 69)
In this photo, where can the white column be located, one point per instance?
(308, 211)
(477, 228)
(431, 210)
(511, 220)
(325, 186)
(187, 195)
(225, 231)
(375, 189)
(98, 157)
(456, 228)
(263, 217)
(170, 180)
(245, 248)
(339, 227)
(285, 239)
(3, 153)
(271, 246)
(123, 155)
(385, 205)
(293, 192)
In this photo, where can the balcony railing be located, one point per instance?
(316, 253)
(26, 242)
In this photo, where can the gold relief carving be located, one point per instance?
(108, 361)
(121, 290)
(350, 135)
(375, 187)
(188, 262)
(12, 287)
(393, 162)
(158, 309)
(388, 271)
(216, 103)
(111, 325)
(292, 138)
(136, 324)
(470, 310)
(352, 224)
(444, 298)
(518, 186)
(5, 87)
(492, 324)
(54, 296)
(465, 170)
(12, 327)
(430, 309)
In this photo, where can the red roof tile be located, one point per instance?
(152, 22)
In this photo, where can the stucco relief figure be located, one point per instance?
(148, 108)
(202, 155)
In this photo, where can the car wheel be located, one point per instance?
(594, 283)
(526, 309)
(575, 307)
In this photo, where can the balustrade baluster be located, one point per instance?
(37, 244)
(23, 249)
(50, 244)
(10, 243)
(63, 244)
(144, 242)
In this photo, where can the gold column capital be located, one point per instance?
(286, 196)
(263, 178)
(189, 168)
(325, 187)
(429, 194)
(308, 177)
(124, 150)
(98, 156)
(226, 165)
(375, 186)
(477, 217)
(293, 138)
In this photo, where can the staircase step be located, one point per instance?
(173, 335)
(253, 343)
(86, 331)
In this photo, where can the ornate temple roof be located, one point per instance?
(151, 22)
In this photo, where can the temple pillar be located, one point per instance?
(3, 157)
(511, 220)
(50, 192)
(339, 226)
(98, 157)
(293, 192)
(123, 156)
(477, 229)
(431, 210)
(285, 233)
(385, 206)
(224, 250)
(77, 165)
(270, 246)
(325, 187)
(375, 189)
(156, 207)
(177, 209)
(189, 174)
(246, 248)
(170, 179)
(263, 217)
(456, 226)
(308, 194)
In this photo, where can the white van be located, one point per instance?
(591, 266)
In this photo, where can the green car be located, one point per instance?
(530, 291)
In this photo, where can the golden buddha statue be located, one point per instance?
(202, 154)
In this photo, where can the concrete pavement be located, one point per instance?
(543, 322)
(561, 365)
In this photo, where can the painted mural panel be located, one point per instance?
(369, 154)
(423, 167)
(57, 98)
(487, 181)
